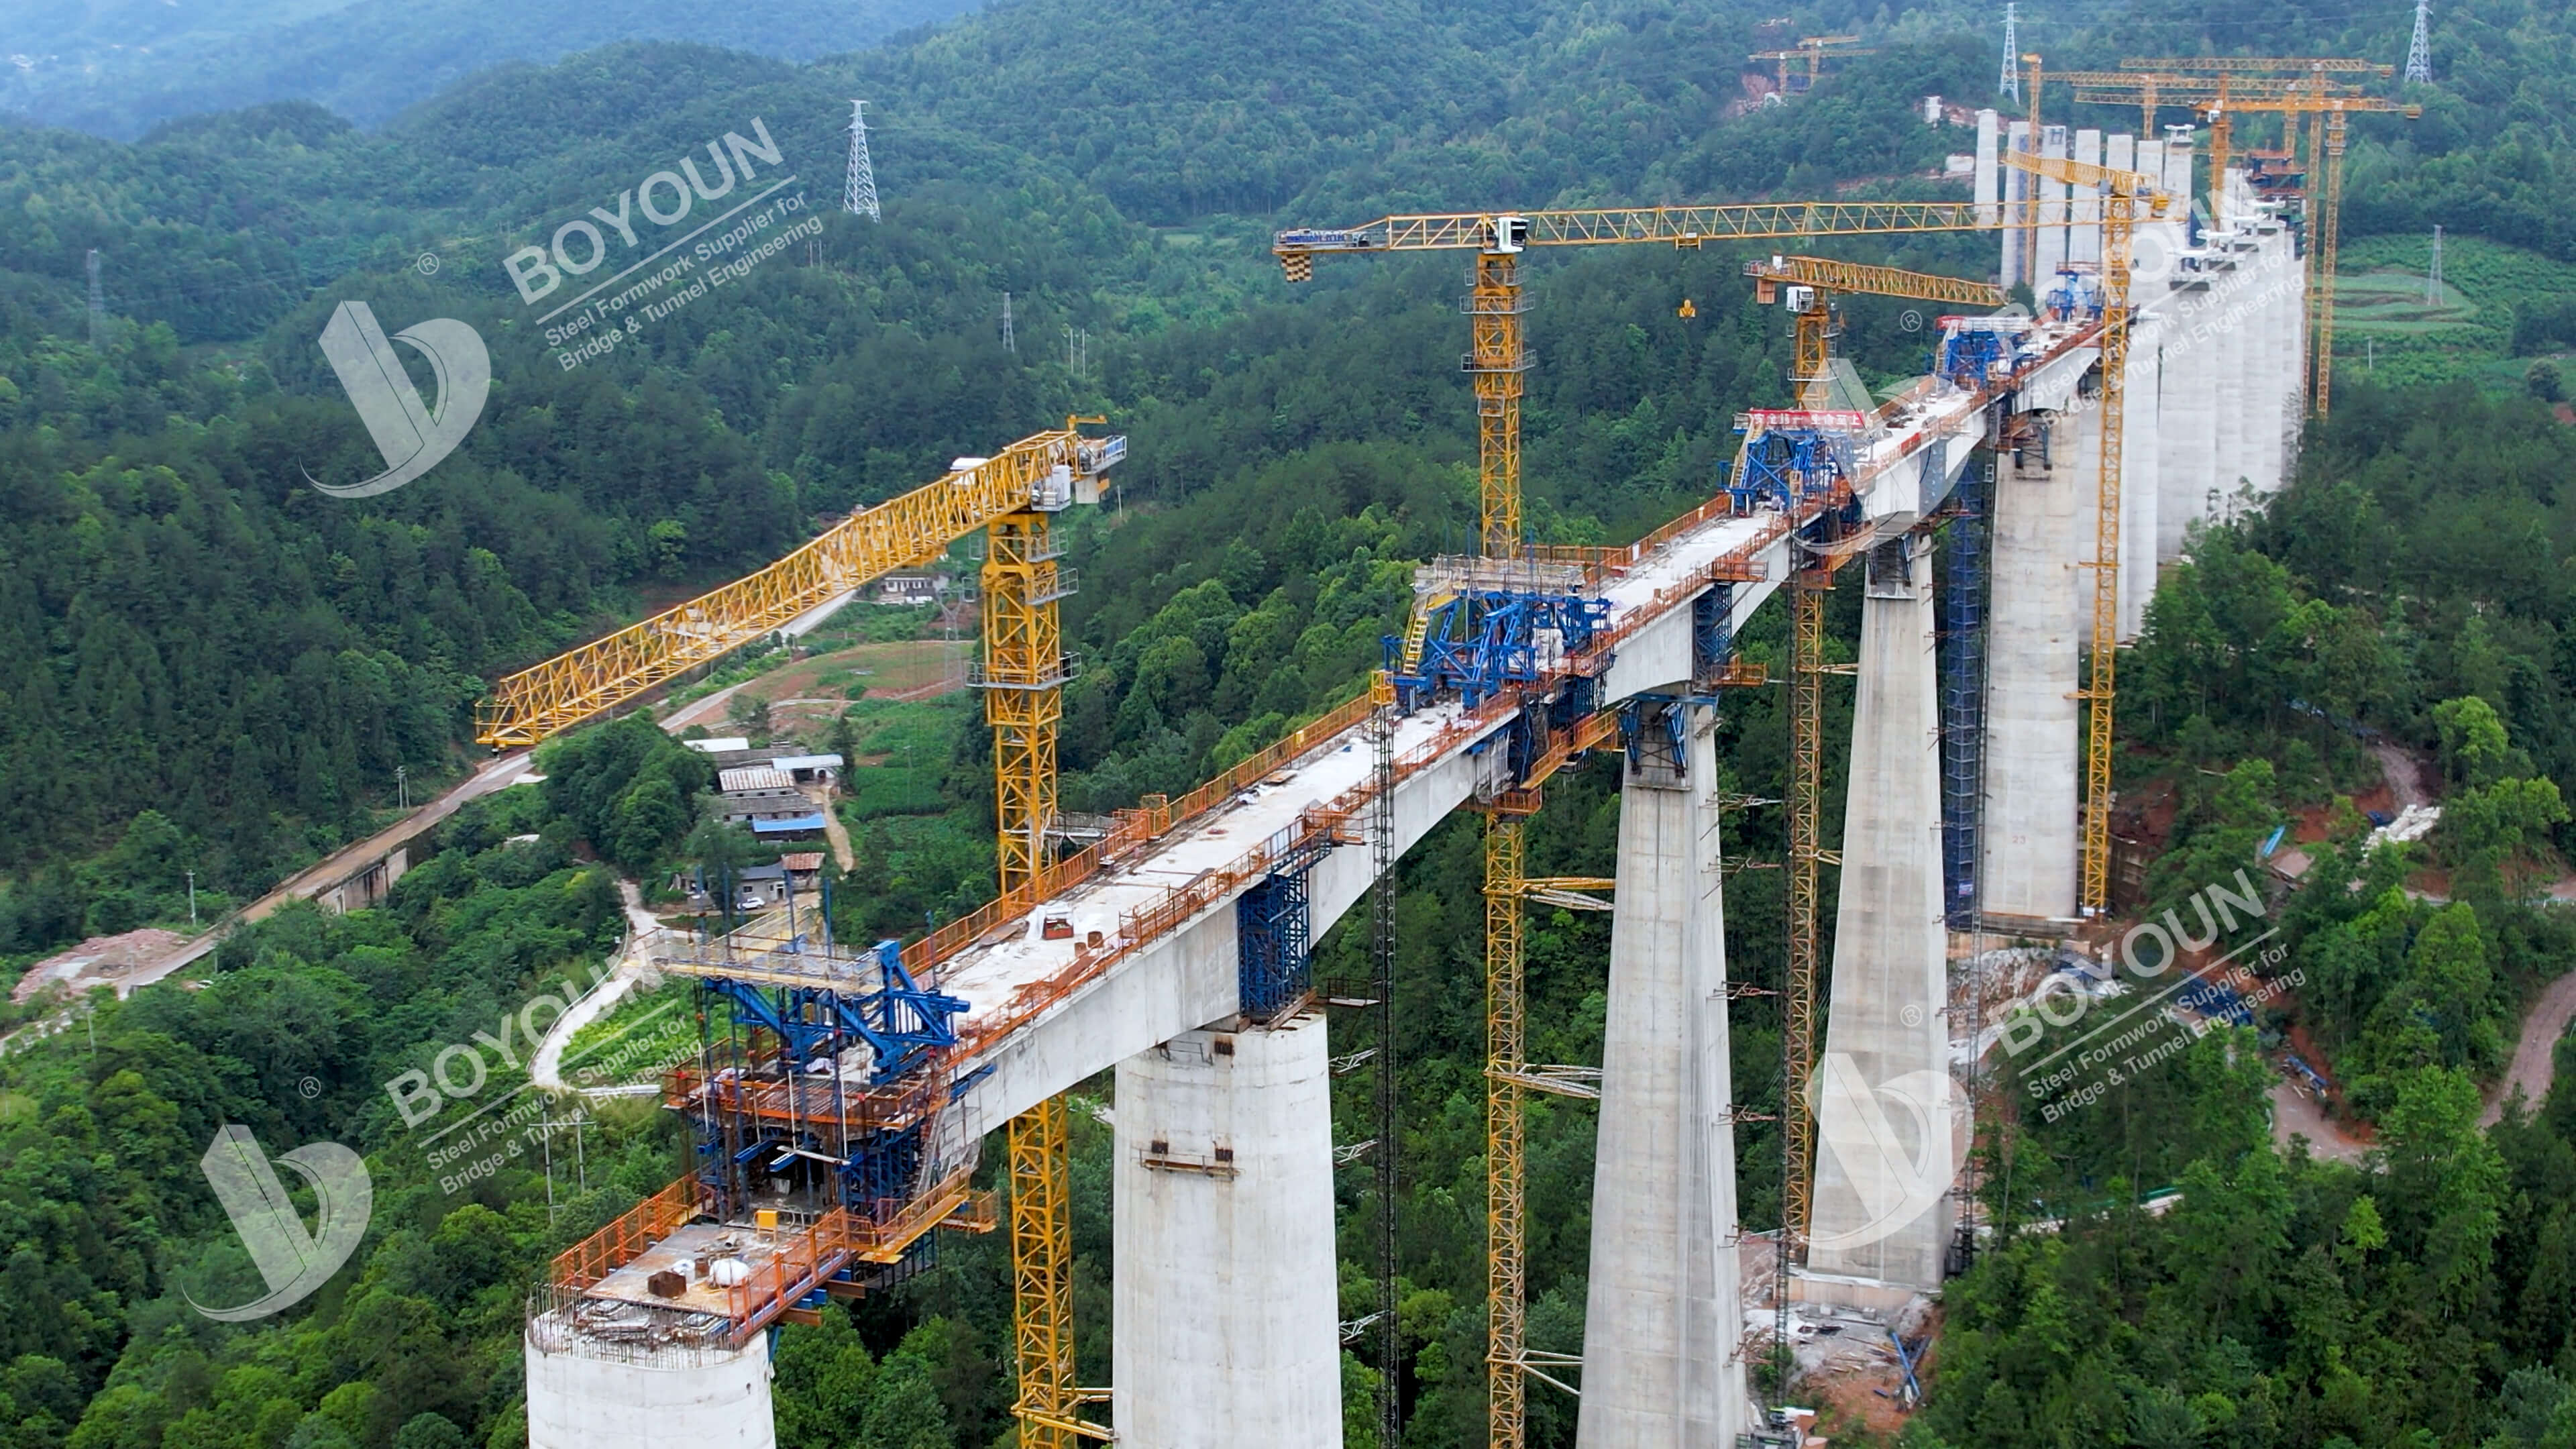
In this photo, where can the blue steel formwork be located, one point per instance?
(793, 1017)
(1977, 351)
(1712, 634)
(1651, 735)
(1274, 936)
(1963, 696)
(2076, 296)
(1484, 640)
(1787, 468)
(1271, 926)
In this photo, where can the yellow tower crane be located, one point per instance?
(2124, 192)
(2151, 90)
(1823, 279)
(1814, 281)
(1498, 361)
(1499, 357)
(913, 528)
(1012, 495)
(2325, 214)
(1814, 51)
(1023, 681)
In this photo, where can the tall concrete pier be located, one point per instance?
(1226, 1301)
(2030, 824)
(1882, 1096)
(1664, 1320)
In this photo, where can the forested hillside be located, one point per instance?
(123, 67)
(207, 665)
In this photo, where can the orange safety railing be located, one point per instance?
(816, 1101)
(807, 1257)
(897, 1223)
(803, 1260)
(1134, 828)
(623, 1241)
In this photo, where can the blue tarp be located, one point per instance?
(789, 826)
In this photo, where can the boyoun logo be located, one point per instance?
(413, 438)
(292, 1261)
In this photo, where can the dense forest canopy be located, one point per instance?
(208, 667)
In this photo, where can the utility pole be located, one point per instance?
(2433, 276)
(192, 900)
(861, 197)
(402, 787)
(2419, 53)
(1010, 343)
(2009, 84)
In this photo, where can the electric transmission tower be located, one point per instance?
(2419, 55)
(862, 197)
(1010, 343)
(2433, 274)
(2010, 82)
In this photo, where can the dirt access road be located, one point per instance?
(2535, 1052)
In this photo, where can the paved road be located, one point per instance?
(546, 1067)
(498, 773)
(2534, 1053)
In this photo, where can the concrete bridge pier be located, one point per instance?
(1883, 1130)
(2187, 464)
(2142, 449)
(1226, 1293)
(2032, 655)
(1660, 1363)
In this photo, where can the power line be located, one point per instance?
(861, 197)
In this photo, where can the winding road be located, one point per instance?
(546, 1067)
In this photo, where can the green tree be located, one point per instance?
(2449, 1180)
(904, 1411)
(826, 1384)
